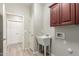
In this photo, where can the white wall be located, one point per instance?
(38, 18)
(46, 19)
(36, 23)
(71, 36)
(24, 10)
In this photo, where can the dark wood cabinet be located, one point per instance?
(64, 14)
(67, 13)
(54, 11)
(77, 13)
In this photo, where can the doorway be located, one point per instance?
(15, 34)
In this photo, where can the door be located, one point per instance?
(67, 13)
(14, 29)
(77, 13)
(54, 15)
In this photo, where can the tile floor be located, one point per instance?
(17, 50)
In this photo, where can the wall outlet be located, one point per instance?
(60, 35)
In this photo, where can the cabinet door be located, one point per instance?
(54, 15)
(77, 13)
(67, 13)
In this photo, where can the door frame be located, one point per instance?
(23, 26)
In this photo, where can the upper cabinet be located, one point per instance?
(77, 13)
(64, 14)
(54, 11)
(67, 13)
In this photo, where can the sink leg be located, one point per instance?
(44, 50)
(38, 48)
(49, 51)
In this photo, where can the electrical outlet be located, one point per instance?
(60, 35)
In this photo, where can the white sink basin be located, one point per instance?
(43, 37)
(43, 40)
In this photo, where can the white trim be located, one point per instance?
(14, 14)
(23, 34)
(52, 54)
(4, 30)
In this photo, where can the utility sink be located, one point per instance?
(43, 40)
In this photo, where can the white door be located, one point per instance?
(14, 29)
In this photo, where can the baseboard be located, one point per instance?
(52, 54)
